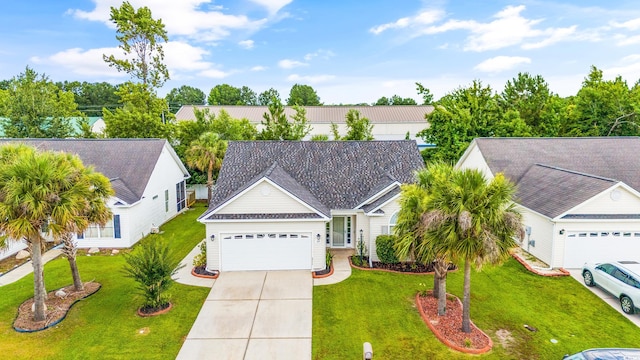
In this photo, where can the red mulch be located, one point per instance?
(57, 308)
(449, 326)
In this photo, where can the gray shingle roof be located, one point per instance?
(128, 163)
(320, 114)
(330, 174)
(381, 200)
(584, 166)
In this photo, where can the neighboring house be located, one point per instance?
(148, 179)
(278, 205)
(579, 196)
(391, 122)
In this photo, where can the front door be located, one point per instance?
(341, 231)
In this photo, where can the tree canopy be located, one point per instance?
(395, 100)
(358, 127)
(184, 95)
(303, 95)
(276, 126)
(33, 106)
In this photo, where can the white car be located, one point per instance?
(620, 278)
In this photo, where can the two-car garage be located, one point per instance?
(600, 246)
(266, 251)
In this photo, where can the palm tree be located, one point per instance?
(39, 191)
(476, 221)
(414, 227)
(205, 154)
(94, 192)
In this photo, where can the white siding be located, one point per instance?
(475, 160)
(314, 227)
(12, 248)
(377, 223)
(264, 197)
(627, 203)
(389, 131)
(541, 233)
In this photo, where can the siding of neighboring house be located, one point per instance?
(12, 248)
(218, 228)
(379, 225)
(541, 232)
(252, 201)
(475, 160)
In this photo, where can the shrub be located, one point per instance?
(384, 249)
(151, 266)
(201, 259)
(328, 258)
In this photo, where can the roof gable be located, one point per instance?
(324, 174)
(128, 163)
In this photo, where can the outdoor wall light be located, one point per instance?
(361, 234)
(318, 238)
(561, 231)
(213, 237)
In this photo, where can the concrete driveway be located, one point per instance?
(254, 315)
(605, 296)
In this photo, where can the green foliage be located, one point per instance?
(395, 100)
(427, 97)
(529, 97)
(184, 95)
(151, 266)
(320, 137)
(139, 36)
(303, 95)
(33, 106)
(328, 258)
(358, 128)
(201, 258)
(268, 97)
(206, 154)
(277, 127)
(143, 115)
(92, 97)
(361, 248)
(385, 249)
(224, 94)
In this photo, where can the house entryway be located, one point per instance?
(339, 232)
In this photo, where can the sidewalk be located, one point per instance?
(26, 268)
(341, 268)
(183, 276)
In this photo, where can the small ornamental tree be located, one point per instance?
(152, 266)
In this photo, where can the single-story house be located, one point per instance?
(579, 196)
(390, 122)
(278, 205)
(148, 179)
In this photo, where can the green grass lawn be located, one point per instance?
(105, 325)
(378, 307)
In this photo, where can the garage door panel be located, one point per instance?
(282, 251)
(601, 248)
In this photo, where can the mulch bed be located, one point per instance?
(153, 311)
(403, 267)
(57, 308)
(448, 328)
(201, 271)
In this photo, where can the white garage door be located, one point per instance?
(600, 246)
(265, 251)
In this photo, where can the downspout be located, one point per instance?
(553, 247)
(370, 257)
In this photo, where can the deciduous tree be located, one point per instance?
(303, 95)
(184, 95)
(276, 126)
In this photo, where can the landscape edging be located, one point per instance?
(393, 271)
(563, 272)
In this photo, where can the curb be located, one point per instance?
(447, 342)
(163, 311)
(393, 271)
(193, 272)
(314, 276)
(563, 272)
(59, 320)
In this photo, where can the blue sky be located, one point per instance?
(349, 51)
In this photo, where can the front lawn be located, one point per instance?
(378, 307)
(105, 325)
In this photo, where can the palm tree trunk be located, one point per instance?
(436, 281)
(39, 292)
(466, 302)
(209, 182)
(69, 250)
(441, 268)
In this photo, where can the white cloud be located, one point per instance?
(323, 54)
(214, 73)
(259, 68)
(633, 24)
(290, 64)
(623, 40)
(628, 68)
(422, 18)
(501, 63)
(553, 36)
(313, 79)
(273, 6)
(247, 44)
(181, 18)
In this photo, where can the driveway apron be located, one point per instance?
(254, 315)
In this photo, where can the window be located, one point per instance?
(166, 201)
(393, 221)
(109, 230)
(181, 195)
(349, 230)
(328, 232)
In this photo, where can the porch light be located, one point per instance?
(360, 234)
(318, 238)
(213, 237)
(562, 232)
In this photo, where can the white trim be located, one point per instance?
(370, 213)
(176, 158)
(535, 212)
(378, 195)
(593, 198)
(260, 181)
